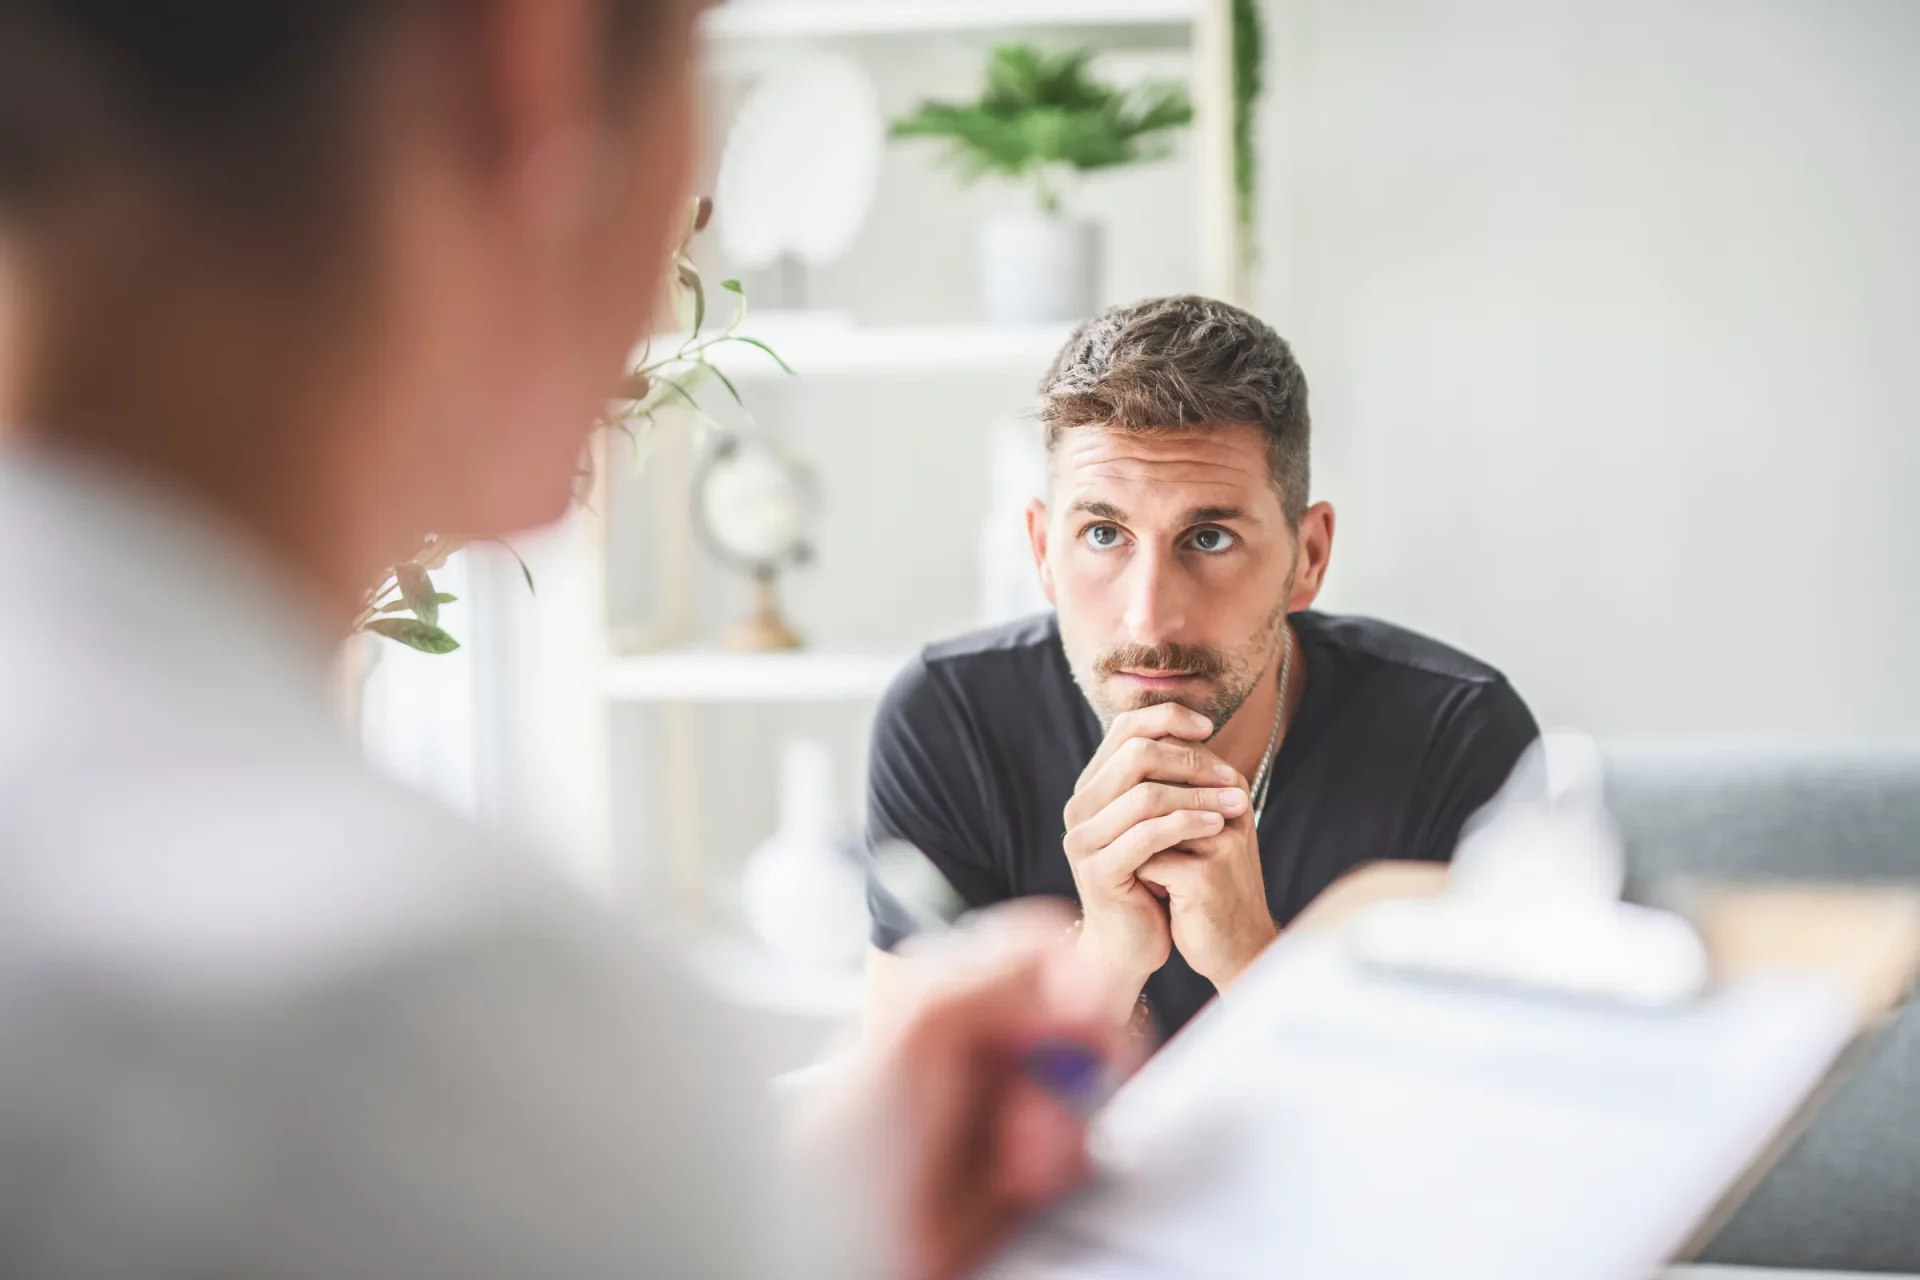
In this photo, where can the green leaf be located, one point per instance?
(1249, 60)
(524, 571)
(416, 588)
(679, 388)
(690, 281)
(755, 342)
(1043, 110)
(739, 314)
(401, 606)
(415, 634)
(733, 286)
(727, 382)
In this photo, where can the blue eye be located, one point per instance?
(1213, 541)
(1102, 537)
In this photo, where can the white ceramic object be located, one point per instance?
(803, 892)
(1534, 898)
(1009, 584)
(1039, 269)
(801, 163)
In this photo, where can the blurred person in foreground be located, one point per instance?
(291, 284)
(1183, 747)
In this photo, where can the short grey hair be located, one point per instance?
(1183, 363)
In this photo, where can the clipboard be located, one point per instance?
(1866, 939)
(1820, 967)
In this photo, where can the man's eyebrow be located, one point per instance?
(1101, 511)
(1213, 515)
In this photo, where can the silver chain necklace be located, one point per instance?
(1264, 778)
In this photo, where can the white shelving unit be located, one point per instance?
(700, 675)
(742, 973)
(1207, 26)
(781, 19)
(849, 351)
(1194, 35)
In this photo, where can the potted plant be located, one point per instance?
(1042, 120)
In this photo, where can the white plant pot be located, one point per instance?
(806, 900)
(802, 890)
(1039, 269)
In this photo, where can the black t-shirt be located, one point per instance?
(978, 745)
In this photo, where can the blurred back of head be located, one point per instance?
(349, 270)
(221, 96)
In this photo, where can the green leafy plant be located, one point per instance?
(405, 608)
(1249, 62)
(1043, 116)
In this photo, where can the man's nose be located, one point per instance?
(1157, 598)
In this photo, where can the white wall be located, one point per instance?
(1611, 311)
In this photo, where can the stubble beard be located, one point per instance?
(1233, 675)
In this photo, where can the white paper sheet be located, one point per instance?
(1331, 1122)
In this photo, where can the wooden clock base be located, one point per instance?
(766, 631)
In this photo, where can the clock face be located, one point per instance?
(756, 503)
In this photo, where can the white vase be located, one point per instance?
(1009, 583)
(1039, 269)
(802, 889)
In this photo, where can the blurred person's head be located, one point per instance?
(350, 271)
(1177, 535)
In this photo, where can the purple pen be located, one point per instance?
(1077, 1077)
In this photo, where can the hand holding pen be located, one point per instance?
(986, 1087)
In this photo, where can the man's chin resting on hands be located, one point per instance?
(1183, 747)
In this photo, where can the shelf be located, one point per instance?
(828, 351)
(697, 675)
(776, 19)
(742, 973)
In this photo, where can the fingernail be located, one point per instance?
(1201, 722)
(1232, 800)
(1212, 819)
(1223, 771)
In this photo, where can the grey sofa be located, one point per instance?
(1846, 1197)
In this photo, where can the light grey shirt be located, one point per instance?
(263, 1014)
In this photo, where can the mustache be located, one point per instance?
(1190, 658)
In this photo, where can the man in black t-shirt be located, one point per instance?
(1183, 746)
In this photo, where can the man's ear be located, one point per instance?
(1037, 539)
(1315, 552)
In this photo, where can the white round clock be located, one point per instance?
(754, 506)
